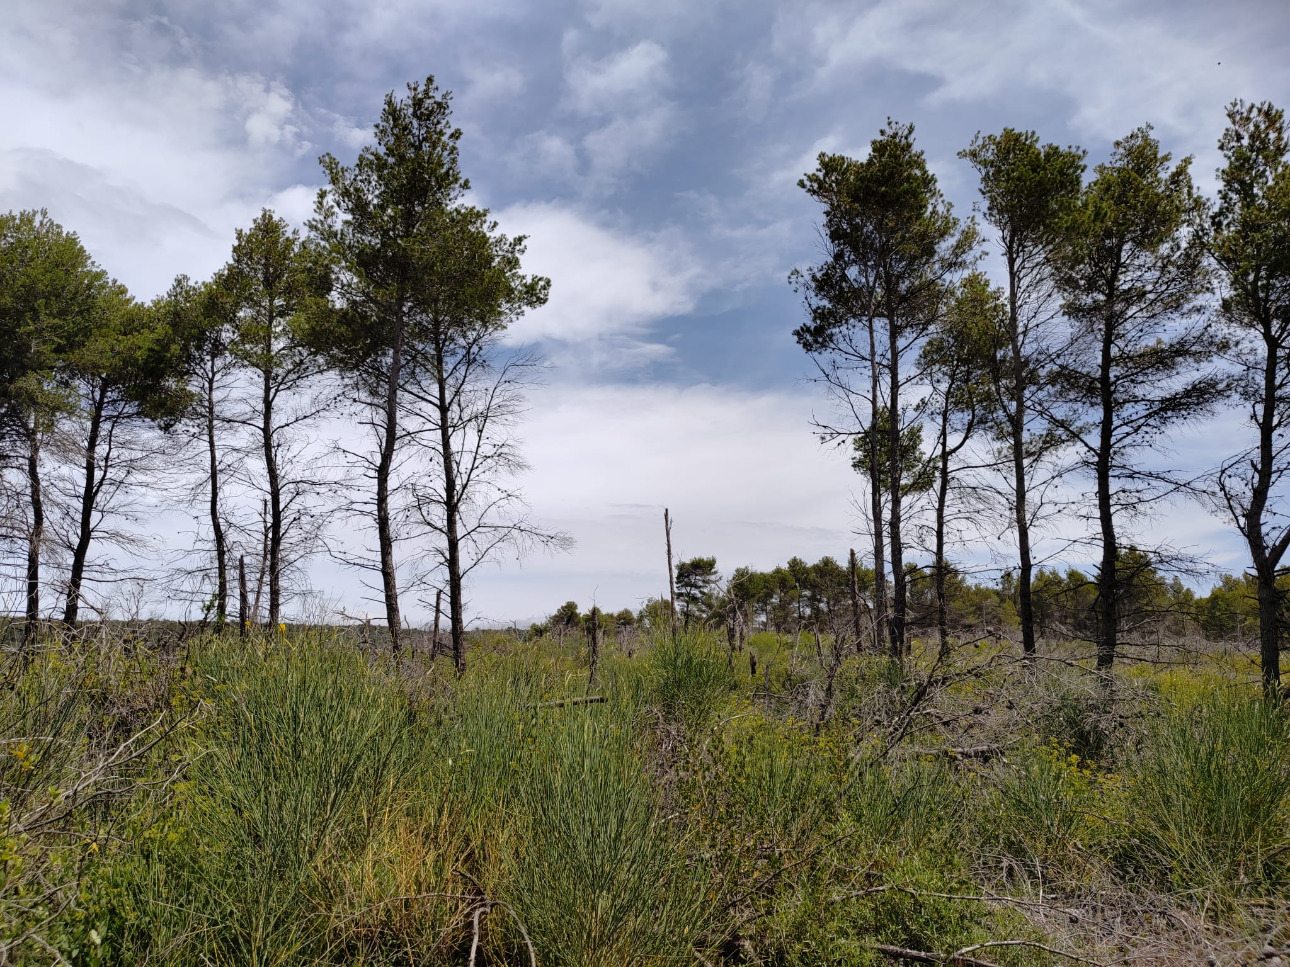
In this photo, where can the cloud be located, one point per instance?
(633, 78)
(626, 92)
(608, 284)
(1092, 54)
(740, 471)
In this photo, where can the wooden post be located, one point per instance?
(671, 572)
(242, 616)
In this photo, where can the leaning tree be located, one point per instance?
(1250, 245)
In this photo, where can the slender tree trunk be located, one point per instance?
(438, 613)
(1108, 589)
(217, 525)
(898, 584)
(243, 618)
(671, 571)
(1267, 559)
(451, 512)
(35, 536)
(875, 497)
(85, 525)
(855, 600)
(384, 526)
(594, 656)
(942, 498)
(275, 502)
(1017, 427)
(264, 559)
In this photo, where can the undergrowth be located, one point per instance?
(290, 800)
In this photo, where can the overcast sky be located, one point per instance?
(650, 149)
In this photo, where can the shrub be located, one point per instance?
(689, 676)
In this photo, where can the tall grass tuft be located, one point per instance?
(306, 748)
(1210, 796)
(689, 677)
(596, 875)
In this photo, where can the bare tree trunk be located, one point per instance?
(384, 527)
(1017, 426)
(671, 571)
(1267, 559)
(438, 612)
(243, 618)
(594, 642)
(942, 496)
(875, 496)
(898, 597)
(85, 525)
(34, 537)
(451, 512)
(217, 525)
(855, 600)
(1108, 589)
(264, 559)
(274, 529)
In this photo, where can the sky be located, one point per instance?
(650, 150)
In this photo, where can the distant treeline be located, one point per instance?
(798, 597)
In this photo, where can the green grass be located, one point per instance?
(294, 801)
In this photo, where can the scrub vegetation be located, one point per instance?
(294, 799)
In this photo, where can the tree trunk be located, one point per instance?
(217, 525)
(594, 643)
(855, 600)
(1017, 427)
(875, 498)
(451, 512)
(384, 527)
(1108, 589)
(1267, 559)
(899, 647)
(34, 537)
(671, 571)
(89, 493)
(243, 618)
(438, 613)
(275, 496)
(942, 497)
(264, 559)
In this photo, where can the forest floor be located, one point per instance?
(292, 799)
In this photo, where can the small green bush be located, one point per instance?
(689, 677)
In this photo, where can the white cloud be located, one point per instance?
(634, 78)
(491, 82)
(1118, 65)
(741, 473)
(628, 144)
(547, 155)
(628, 92)
(606, 282)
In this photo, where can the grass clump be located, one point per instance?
(1210, 796)
(689, 677)
(597, 875)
